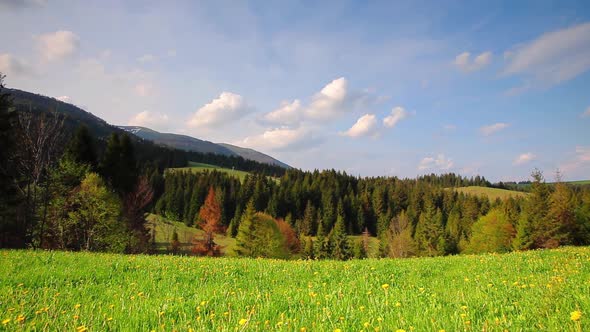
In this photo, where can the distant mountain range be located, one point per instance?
(189, 143)
(77, 116)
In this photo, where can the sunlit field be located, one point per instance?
(536, 290)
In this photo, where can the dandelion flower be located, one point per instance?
(6, 321)
(243, 321)
(385, 286)
(576, 315)
(337, 330)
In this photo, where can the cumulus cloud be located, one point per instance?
(579, 164)
(397, 114)
(464, 62)
(332, 101)
(329, 101)
(282, 139)
(221, 110)
(440, 162)
(364, 126)
(553, 57)
(10, 65)
(58, 45)
(149, 119)
(524, 158)
(286, 114)
(493, 128)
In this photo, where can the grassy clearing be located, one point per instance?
(537, 290)
(165, 228)
(491, 193)
(200, 167)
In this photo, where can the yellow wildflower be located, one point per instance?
(81, 328)
(20, 318)
(576, 315)
(243, 321)
(385, 286)
(6, 321)
(337, 330)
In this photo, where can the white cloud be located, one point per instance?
(449, 127)
(282, 139)
(493, 128)
(464, 63)
(65, 99)
(221, 110)
(149, 119)
(524, 158)
(364, 126)
(397, 114)
(553, 57)
(334, 100)
(147, 58)
(587, 112)
(329, 101)
(58, 45)
(441, 162)
(286, 114)
(9, 65)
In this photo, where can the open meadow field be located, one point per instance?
(200, 167)
(535, 290)
(491, 193)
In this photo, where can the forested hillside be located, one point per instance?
(84, 191)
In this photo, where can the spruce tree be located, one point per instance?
(245, 234)
(82, 148)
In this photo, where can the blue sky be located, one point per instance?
(380, 88)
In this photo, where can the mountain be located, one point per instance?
(163, 150)
(182, 142)
(251, 154)
(189, 143)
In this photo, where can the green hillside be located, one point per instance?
(200, 167)
(67, 291)
(165, 228)
(491, 193)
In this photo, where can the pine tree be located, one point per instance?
(245, 234)
(307, 248)
(82, 148)
(338, 239)
(321, 244)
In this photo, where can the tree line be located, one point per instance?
(410, 217)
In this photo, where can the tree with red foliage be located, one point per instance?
(210, 223)
(291, 241)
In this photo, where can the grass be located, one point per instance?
(165, 228)
(64, 291)
(200, 167)
(491, 193)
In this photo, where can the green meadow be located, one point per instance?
(201, 167)
(66, 291)
(491, 193)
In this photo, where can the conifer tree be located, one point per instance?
(82, 148)
(245, 234)
(338, 239)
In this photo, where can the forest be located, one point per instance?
(65, 188)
